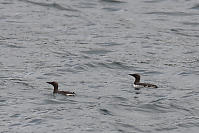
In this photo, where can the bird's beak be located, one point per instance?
(130, 74)
(49, 82)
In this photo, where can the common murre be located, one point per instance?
(137, 83)
(66, 93)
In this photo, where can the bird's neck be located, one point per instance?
(137, 80)
(55, 89)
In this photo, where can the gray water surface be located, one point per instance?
(90, 47)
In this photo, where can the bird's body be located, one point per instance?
(67, 93)
(55, 85)
(137, 83)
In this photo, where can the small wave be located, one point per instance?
(153, 72)
(111, 9)
(26, 84)
(36, 121)
(173, 13)
(54, 101)
(15, 115)
(16, 124)
(2, 100)
(195, 7)
(109, 44)
(97, 51)
(13, 46)
(6, 3)
(170, 64)
(175, 106)
(120, 98)
(191, 23)
(184, 32)
(113, 1)
(113, 65)
(53, 5)
(87, 4)
(153, 108)
(153, 1)
(184, 73)
(105, 112)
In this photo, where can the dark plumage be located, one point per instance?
(66, 93)
(137, 83)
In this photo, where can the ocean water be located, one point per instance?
(90, 47)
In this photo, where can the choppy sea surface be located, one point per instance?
(90, 47)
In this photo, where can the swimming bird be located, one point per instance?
(66, 93)
(137, 83)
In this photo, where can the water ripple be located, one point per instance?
(153, 108)
(53, 5)
(97, 51)
(113, 1)
(113, 65)
(105, 112)
(191, 23)
(195, 7)
(173, 13)
(154, 1)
